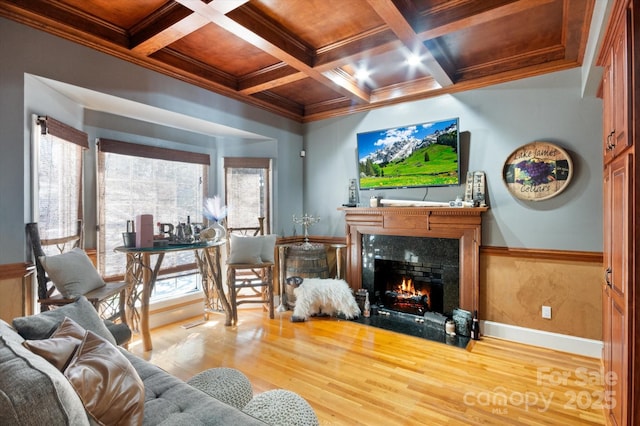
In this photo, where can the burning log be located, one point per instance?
(412, 304)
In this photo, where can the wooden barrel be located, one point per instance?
(306, 260)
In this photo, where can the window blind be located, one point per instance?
(147, 151)
(53, 127)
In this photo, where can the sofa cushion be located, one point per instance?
(9, 333)
(72, 273)
(43, 325)
(121, 332)
(28, 384)
(106, 382)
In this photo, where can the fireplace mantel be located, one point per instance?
(463, 223)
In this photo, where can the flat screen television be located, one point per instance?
(413, 156)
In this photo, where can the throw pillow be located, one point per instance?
(245, 249)
(107, 383)
(61, 346)
(33, 392)
(43, 325)
(72, 273)
(268, 248)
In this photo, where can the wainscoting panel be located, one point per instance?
(516, 283)
(17, 292)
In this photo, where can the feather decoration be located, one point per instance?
(214, 210)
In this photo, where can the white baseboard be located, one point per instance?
(175, 310)
(545, 339)
(182, 309)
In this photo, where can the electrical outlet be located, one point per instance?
(546, 312)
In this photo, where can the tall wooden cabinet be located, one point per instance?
(620, 297)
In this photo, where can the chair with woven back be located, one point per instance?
(250, 262)
(65, 272)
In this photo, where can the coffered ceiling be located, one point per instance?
(313, 59)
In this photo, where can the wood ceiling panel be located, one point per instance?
(512, 36)
(430, 4)
(298, 58)
(319, 23)
(122, 13)
(218, 48)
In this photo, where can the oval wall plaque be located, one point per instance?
(537, 171)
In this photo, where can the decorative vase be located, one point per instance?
(213, 232)
(220, 231)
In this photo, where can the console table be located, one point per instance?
(142, 275)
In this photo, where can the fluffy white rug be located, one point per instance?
(326, 296)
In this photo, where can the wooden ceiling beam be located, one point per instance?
(403, 30)
(540, 57)
(376, 41)
(168, 35)
(285, 104)
(418, 87)
(576, 31)
(58, 18)
(452, 19)
(268, 78)
(325, 107)
(179, 61)
(270, 40)
(153, 34)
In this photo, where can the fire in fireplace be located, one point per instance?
(412, 288)
(432, 265)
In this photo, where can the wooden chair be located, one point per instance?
(109, 300)
(249, 282)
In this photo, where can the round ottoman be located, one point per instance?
(281, 407)
(228, 385)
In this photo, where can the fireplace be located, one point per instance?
(441, 235)
(417, 263)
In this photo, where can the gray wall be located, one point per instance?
(496, 121)
(29, 54)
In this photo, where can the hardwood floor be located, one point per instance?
(353, 374)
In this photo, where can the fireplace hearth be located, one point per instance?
(408, 324)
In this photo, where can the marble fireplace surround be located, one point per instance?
(463, 223)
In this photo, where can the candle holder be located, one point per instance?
(306, 220)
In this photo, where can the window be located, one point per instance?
(247, 191)
(168, 184)
(57, 178)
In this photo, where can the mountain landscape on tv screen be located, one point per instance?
(431, 160)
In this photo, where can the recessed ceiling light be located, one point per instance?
(362, 74)
(414, 60)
